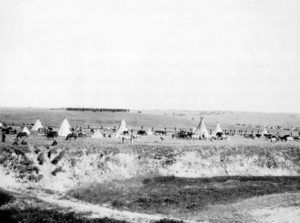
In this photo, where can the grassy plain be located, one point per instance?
(153, 118)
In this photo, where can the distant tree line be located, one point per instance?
(99, 109)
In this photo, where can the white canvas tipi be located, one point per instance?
(265, 132)
(218, 129)
(64, 129)
(37, 125)
(122, 127)
(25, 129)
(149, 132)
(201, 130)
(97, 135)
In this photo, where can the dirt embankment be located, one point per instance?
(60, 168)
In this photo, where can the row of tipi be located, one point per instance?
(64, 129)
(37, 125)
(202, 130)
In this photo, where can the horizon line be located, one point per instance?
(149, 109)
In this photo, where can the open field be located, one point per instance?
(241, 180)
(156, 119)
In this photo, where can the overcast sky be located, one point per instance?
(155, 54)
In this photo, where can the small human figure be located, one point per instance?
(131, 138)
(3, 137)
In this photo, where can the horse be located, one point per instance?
(250, 136)
(273, 139)
(51, 134)
(141, 132)
(296, 138)
(258, 135)
(182, 134)
(81, 134)
(125, 137)
(22, 134)
(160, 132)
(71, 135)
(9, 130)
(133, 137)
(195, 136)
(285, 138)
(219, 135)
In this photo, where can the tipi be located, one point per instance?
(64, 129)
(97, 134)
(25, 129)
(37, 125)
(201, 129)
(217, 129)
(122, 127)
(265, 132)
(149, 132)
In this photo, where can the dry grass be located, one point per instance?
(176, 196)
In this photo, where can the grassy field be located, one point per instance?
(180, 196)
(149, 119)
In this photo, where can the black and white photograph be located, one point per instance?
(150, 111)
